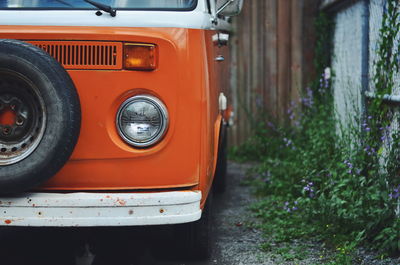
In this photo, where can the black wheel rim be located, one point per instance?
(22, 117)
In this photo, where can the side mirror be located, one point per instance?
(229, 8)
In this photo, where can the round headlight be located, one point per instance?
(142, 120)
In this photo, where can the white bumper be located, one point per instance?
(100, 209)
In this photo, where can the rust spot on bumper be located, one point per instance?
(121, 202)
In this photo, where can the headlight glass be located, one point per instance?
(142, 120)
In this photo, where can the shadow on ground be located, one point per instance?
(111, 246)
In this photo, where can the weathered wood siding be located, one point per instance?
(272, 48)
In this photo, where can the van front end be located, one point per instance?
(108, 165)
(114, 113)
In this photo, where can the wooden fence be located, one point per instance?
(272, 51)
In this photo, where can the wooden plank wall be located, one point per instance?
(271, 60)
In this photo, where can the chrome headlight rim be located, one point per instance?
(159, 105)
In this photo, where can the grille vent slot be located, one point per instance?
(84, 55)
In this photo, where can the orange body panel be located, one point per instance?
(185, 80)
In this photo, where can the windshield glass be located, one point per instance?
(117, 4)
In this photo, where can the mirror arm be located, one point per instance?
(224, 6)
(214, 19)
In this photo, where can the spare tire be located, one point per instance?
(40, 116)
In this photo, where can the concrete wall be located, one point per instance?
(356, 41)
(350, 61)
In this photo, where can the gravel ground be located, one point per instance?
(235, 242)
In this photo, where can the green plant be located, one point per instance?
(339, 190)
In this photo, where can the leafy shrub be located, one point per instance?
(343, 189)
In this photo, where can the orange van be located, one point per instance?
(113, 112)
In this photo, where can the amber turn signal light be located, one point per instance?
(139, 56)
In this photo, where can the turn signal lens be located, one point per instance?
(138, 56)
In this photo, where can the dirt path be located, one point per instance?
(237, 244)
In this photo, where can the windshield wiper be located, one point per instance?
(103, 7)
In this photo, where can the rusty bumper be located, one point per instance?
(100, 209)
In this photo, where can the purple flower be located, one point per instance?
(308, 99)
(348, 164)
(287, 208)
(326, 80)
(287, 141)
(395, 194)
(309, 188)
(271, 125)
